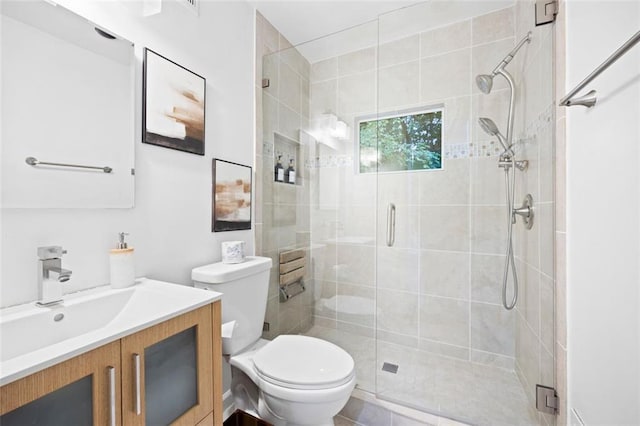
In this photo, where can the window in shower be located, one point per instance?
(402, 141)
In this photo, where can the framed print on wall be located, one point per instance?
(173, 105)
(231, 196)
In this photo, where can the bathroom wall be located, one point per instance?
(602, 217)
(534, 133)
(438, 288)
(170, 225)
(282, 209)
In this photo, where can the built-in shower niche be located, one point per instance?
(287, 149)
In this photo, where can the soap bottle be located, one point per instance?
(279, 170)
(290, 173)
(121, 265)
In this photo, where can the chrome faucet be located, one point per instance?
(51, 275)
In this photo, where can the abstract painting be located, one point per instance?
(231, 196)
(173, 105)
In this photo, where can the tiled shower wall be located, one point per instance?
(438, 287)
(282, 210)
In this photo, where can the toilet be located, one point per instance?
(291, 380)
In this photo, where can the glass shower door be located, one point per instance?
(444, 342)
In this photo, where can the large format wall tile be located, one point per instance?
(324, 70)
(445, 39)
(356, 264)
(289, 87)
(323, 97)
(449, 186)
(397, 312)
(444, 320)
(357, 93)
(444, 227)
(357, 62)
(489, 229)
(398, 268)
(492, 328)
(444, 274)
(486, 278)
(457, 126)
(493, 26)
(397, 86)
(399, 51)
(445, 76)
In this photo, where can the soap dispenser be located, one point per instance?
(121, 265)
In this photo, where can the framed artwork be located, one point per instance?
(231, 196)
(173, 105)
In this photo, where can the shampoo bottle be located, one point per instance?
(279, 170)
(121, 264)
(290, 173)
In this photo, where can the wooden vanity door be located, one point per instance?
(72, 392)
(167, 373)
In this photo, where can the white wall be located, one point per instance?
(603, 217)
(170, 224)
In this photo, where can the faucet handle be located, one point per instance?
(50, 252)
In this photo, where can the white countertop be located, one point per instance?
(31, 340)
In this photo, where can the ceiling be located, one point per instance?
(305, 20)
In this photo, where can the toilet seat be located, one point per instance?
(304, 363)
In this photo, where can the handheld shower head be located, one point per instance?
(489, 126)
(485, 83)
(491, 129)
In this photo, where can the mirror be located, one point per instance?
(68, 96)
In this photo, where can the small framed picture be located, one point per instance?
(231, 196)
(173, 102)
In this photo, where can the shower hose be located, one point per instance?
(509, 260)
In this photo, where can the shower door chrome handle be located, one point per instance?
(391, 224)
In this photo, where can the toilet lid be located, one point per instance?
(303, 362)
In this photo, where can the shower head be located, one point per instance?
(490, 128)
(485, 83)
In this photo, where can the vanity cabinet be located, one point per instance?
(169, 373)
(79, 391)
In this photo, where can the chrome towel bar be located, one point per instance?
(32, 161)
(589, 99)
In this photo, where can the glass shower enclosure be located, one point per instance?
(400, 205)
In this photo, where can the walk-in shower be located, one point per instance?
(507, 161)
(415, 295)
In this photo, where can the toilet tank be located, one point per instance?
(244, 287)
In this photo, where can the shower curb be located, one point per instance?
(364, 408)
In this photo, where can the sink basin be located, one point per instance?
(33, 338)
(37, 327)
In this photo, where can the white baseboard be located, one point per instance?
(228, 404)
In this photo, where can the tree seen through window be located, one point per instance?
(406, 142)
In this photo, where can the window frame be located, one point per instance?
(394, 114)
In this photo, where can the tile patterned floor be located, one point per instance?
(473, 393)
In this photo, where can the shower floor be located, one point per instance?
(474, 393)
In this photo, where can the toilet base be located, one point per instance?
(305, 415)
(247, 397)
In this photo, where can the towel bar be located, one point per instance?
(32, 161)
